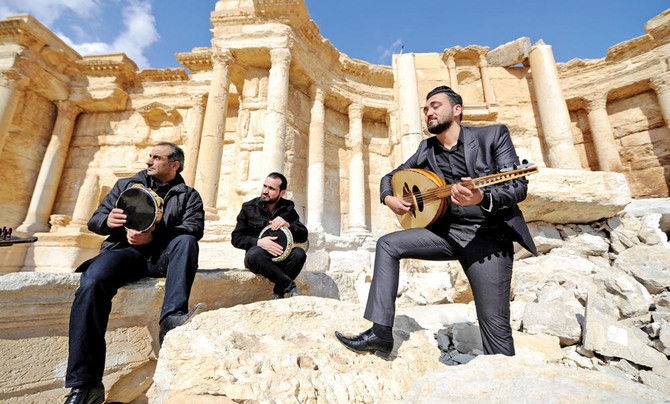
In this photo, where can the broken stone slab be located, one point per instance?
(510, 53)
(525, 378)
(604, 335)
(629, 296)
(574, 196)
(555, 318)
(644, 207)
(650, 265)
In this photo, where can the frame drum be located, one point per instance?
(284, 239)
(142, 206)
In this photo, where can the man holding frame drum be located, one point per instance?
(167, 248)
(266, 216)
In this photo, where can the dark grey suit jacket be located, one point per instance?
(487, 151)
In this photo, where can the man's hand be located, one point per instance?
(397, 205)
(116, 218)
(460, 195)
(278, 222)
(139, 238)
(268, 244)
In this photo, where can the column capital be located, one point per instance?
(280, 56)
(356, 110)
(222, 57)
(198, 102)
(68, 108)
(660, 84)
(317, 92)
(595, 102)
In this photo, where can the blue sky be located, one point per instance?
(152, 31)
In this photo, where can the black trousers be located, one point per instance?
(282, 273)
(98, 285)
(486, 260)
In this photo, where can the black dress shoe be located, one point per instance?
(94, 395)
(292, 290)
(367, 342)
(175, 320)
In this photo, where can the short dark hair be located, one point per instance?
(177, 154)
(454, 98)
(276, 175)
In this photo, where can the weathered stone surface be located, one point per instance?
(644, 207)
(510, 53)
(650, 265)
(559, 319)
(624, 292)
(506, 379)
(584, 196)
(604, 335)
(285, 350)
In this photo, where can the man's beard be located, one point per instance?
(440, 126)
(267, 199)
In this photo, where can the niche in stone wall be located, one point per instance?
(581, 135)
(469, 81)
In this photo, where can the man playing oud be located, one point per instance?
(477, 229)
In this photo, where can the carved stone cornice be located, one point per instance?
(117, 65)
(360, 68)
(17, 31)
(160, 75)
(156, 112)
(200, 59)
(222, 57)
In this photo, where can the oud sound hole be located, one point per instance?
(419, 198)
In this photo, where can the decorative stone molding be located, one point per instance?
(162, 75)
(116, 65)
(156, 113)
(199, 60)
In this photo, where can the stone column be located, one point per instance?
(193, 139)
(662, 88)
(603, 137)
(213, 128)
(356, 170)
(275, 119)
(409, 110)
(554, 115)
(453, 78)
(46, 186)
(87, 201)
(316, 170)
(9, 100)
(489, 98)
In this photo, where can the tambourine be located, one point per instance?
(284, 239)
(142, 206)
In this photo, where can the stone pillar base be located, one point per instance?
(211, 213)
(62, 251)
(12, 257)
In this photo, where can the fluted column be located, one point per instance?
(213, 129)
(489, 98)
(554, 116)
(87, 201)
(411, 132)
(356, 170)
(453, 77)
(603, 137)
(48, 179)
(9, 99)
(662, 88)
(193, 138)
(316, 170)
(275, 119)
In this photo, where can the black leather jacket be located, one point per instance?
(253, 217)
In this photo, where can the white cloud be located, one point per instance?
(385, 53)
(48, 11)
(138, 32)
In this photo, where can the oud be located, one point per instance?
(429, 194)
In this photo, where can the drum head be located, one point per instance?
(284, 239)
(139, 207)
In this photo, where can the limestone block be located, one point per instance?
(585, 245)
(574, 196)
(545, 236)
(649, 265)
(284, 350)
(545, 346)
(467, 338)
(605, 336)
(62, 251)
(510, 53)
(643, 207)
(558, 319)
(622, 290)
(525, 377)
(435, 317)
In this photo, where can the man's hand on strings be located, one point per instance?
(397, 204)
(460, 195)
